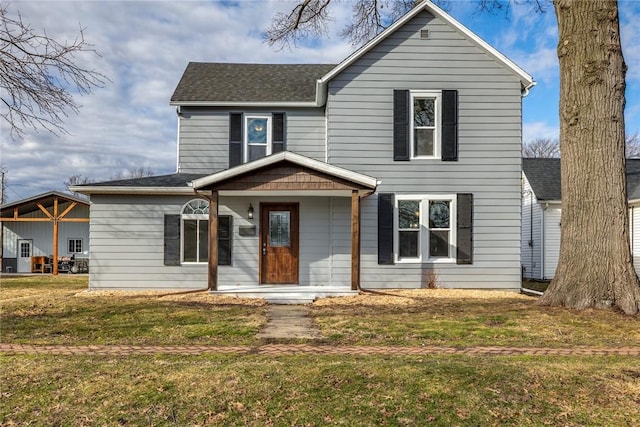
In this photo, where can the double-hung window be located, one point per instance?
(425, 124)
(195, 231)
(74, 246)
(424, 231)
(257, 135)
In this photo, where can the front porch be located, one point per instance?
(284, 294)
(278, 184)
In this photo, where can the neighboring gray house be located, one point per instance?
(398, 166)
(50, 225)
(541, 210)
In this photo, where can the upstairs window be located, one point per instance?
(425, 125)
(257, 137)
(253, 136)
(425, 132)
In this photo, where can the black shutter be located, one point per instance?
(385, 228)
(449, 125)
(235, 139)
(225, 231)
(172, 239)
(401, 118)
(464, 231)
(278, 133)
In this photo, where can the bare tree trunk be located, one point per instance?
(595, 266)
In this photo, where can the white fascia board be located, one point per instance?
(336, 171)
(166, 191)
(244, 104)
(526, 79)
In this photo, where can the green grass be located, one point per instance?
(483, 321)
(314, 390)
(309, 390)
(51, 312)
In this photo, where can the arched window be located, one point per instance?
(195, 231)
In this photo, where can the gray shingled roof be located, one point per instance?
(544, 177)
(221, 82)
(175, 180)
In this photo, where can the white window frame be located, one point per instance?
(423, 239)
(437, 128)
(198, 217)
(75, 239)
(245, 129)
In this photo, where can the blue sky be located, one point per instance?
(146, 45)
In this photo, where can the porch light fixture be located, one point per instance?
(250, 212)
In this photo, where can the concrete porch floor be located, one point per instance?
(284, 294)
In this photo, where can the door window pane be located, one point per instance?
(279, 234)
(25, 250)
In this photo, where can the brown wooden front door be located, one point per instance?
(279, 236)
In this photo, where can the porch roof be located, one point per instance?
(286, 171)
(46, 200)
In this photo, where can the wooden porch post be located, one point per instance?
(213, 241)
(54, 262)
(355, 240)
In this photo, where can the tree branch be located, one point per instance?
(39, 76)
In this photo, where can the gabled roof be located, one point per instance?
(292, 158)
(304, 85)
(544, 177)
(176, 183)
(525, 79)
(45, 199)
(239, 84)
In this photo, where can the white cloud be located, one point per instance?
(536, 130)
(145, 47)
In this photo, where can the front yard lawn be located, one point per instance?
(310, 390)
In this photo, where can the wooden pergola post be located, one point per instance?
(213, 241)
(355, 240)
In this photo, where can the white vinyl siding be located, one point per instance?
(360, 134)
(127, 242)
(204, 136)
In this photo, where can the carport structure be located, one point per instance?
(40, 215)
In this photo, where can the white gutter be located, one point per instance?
(248, 104)
(527, 89)
(96, 189)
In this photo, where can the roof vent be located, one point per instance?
(424, 34)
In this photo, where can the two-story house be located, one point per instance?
(397, 168)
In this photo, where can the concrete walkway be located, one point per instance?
(289, 322)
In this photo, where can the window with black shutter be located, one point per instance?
(425, 124)
(186, 236)
(464, 232)
(385, 228)
(235, 139)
